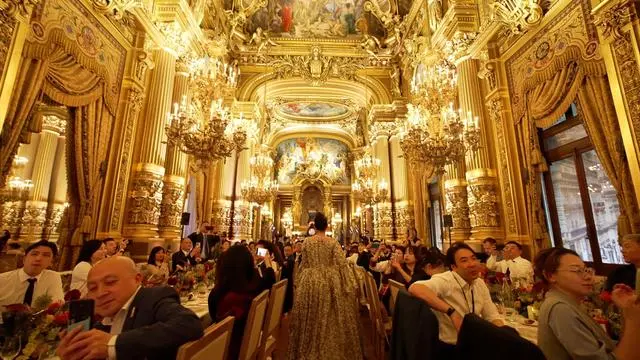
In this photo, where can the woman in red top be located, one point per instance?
(237, 283)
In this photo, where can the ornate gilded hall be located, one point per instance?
(459, 120)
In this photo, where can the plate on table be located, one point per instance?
(528, 322)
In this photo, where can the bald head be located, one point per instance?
(111, 283)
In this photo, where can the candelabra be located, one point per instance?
(438, 139)
(435, 85)
(259, 188)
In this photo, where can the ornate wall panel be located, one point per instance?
(7, 26)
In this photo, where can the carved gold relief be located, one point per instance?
(457, 206)
(145, 198)
(7, 26)
(495, 114)
(20, 7)
(517, 15)
(483, 205)
(171, 205)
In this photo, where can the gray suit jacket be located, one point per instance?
(567, 332)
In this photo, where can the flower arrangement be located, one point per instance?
(38, 325)
(517, 294)
(601, 308)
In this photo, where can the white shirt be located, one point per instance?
(520, 269)
(14, 284)
(79, 277)
(117, 322)
(461, 296)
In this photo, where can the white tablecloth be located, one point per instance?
(529, 332)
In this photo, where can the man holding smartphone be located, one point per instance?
(138, 323)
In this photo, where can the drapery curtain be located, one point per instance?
(49, 69)
(600, 120)
(546, 101)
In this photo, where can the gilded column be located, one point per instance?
(384, 221)
(618, 25)
(58, 190)
(35, 213)
(455, 188)
(14, 17)
(400, 189)
(145, 191)
(175, 169)
(222, 193)
(482, 190)
(242, 219)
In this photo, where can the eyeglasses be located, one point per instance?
(583, 272)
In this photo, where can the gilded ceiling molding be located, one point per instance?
(20, 7)
(517, 16)
(302, 131)
(116, 8)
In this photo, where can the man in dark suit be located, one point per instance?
(138, 323)
(187, 255)
(206, 239)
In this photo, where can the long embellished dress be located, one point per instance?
(324, 320)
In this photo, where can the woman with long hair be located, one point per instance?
(324, 320)
(157, 269)
(91, 252)
(237, 283)
(566, 331)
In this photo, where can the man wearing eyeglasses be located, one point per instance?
(518, 268)
(626, 274)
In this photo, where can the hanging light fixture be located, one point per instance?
(259, 188)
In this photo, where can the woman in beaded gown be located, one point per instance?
(325, 318)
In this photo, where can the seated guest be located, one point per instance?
(185, 257)
(432, 263)
(24, 285)
(566, 331)
(157, 266)
(455, 293)
(488, 250)
(352, 255)
(226, 244)
(138, 323)
(111, 246)
(91, 252)
(627, 274)
(237, 283)
(519, 269)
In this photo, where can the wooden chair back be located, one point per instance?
(394, 287)
(253, 328)
(272, 318)
(212, 346)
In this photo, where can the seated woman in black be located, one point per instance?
(432, 263)
(237, 283)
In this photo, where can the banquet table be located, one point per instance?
(200, 306)
(522, 326)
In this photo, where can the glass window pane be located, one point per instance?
(566, 189)
(547, 213)
(570, 135)
(604, 204)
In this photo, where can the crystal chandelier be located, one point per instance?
(435, 85)
(259, 188)
(367, 187)
(206, 142)
(16, 189)
(439, 139)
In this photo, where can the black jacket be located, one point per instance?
(179, 258)
(480, 339)
(156, 326)
(415, 329)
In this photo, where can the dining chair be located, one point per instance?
(379, 327)
(212, 346)
(272, 319)
(394, 287)
(253, 328)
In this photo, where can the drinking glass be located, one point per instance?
(10, 347)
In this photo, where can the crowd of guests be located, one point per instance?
(139, 321)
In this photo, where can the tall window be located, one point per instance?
(580, 202)
(435, 215)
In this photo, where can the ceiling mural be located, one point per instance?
(313, 109)
(312, 159)
(315, 19)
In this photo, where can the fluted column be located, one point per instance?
(243, 209)
(35, 212)
(145, 194)
(384, 221)
(175, 169)
(222, 193)
(57, 190)
(400, 190)
(482, 181)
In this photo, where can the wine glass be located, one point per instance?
(10, 347)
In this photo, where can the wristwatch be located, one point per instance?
(450, 311)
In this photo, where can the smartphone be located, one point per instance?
(262, 252)
(80, 314)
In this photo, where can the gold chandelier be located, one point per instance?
(436, 140)
(200, 126)
(16, 189)
(259, 188)
(434, 86)
(367, 188)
